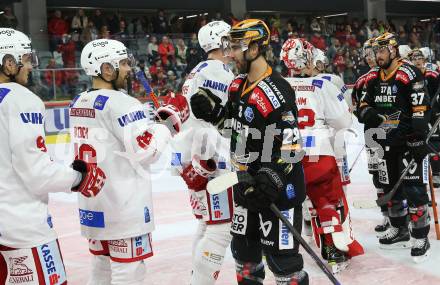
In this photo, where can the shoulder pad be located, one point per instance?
(3, 93)
(326, 77)
(406, 73)
(235, 84)
(431, 73)
(360, 82)
(100, 102)
(317, 82)
(373, 74)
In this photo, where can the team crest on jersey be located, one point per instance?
(392, 122)
(100, 102)
(3, 93)
(288, 117)
(249, 114)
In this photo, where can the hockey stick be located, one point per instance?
(225, 181)
(434, 205)
(382, 201)
(141, 77)
(357, 158)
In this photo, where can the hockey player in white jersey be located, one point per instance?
(319, 62)
(321, 108)
(112, 129)
(28, 174)
(201, 152)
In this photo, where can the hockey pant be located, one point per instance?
(118, 262)
(330, 213)
(40, 265)
(411, 197)
(258, 233)
(209, 248)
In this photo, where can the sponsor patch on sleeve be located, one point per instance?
(317, 82)
(3, 93)
(100, 102)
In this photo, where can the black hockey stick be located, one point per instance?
(225, 181)
(382, 201)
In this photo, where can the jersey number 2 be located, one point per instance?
(306, 118)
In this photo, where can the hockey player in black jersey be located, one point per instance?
(396, 102)
(262, 116)
(432, 80)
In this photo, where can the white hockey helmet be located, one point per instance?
(427, 53)
(211, 35)
(319, 56)
(404, 51)
(296, 54)
(97, 52)
(16, 44)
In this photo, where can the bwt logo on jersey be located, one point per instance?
(32, 118)
(100, 44)
(49, 264)
(215, 85)
(131, 117)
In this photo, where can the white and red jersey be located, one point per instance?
(200, 138)
(339, 83)
(113, 130)
(321, 110)
(27, 173)
(215, 76)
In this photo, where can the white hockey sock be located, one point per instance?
(101, 272)
(201, 229)
(210, 253)
(130, 273)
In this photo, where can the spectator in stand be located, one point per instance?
(90, 33)
(155, 68)
(71, 78)
(142, 67)
(67, 49)
(275, 38)
(414, 41)
(160, 23)
(122, 34)
(288, 32)
(181, 50)
(139, 30)
(402, 37)
(98, 19)
(318, 41)
(172, 83)
(331, 52)
(57, 27)
(113, 24)
(159, 83)
(104, 33)
(352, 41)
(152, 49)
(8, 19)
(79, 22)
(270, 56)
(194, 54)
(166, 52)
(315, 27)
(49, 77)
(231, 20)
(217, 17)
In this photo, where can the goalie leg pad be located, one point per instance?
(209, 254)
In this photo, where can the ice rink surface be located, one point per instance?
(171, 263)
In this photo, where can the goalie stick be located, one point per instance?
(221, 183)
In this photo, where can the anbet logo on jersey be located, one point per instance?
(386, 98)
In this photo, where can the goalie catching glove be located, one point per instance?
(93, 178)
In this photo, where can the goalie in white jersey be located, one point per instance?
(322, 109)
(201, 152)
(112, 129)
(29, 250)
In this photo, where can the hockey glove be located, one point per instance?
(197, 173)
(418, 149)
(370, 117)
(93, 178)
(270, 181)
(174, 112)
(206, 106)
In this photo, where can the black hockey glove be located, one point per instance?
(270, 181)
(370, 117)
(206, 106)
(418, 148)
